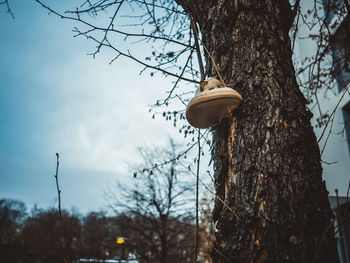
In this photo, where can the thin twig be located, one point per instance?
(323, 236)
(106, 43)
(198, 51)
(333, 113)
(296, 26)
(215, 195)
(197, 183)
(9, 11)
(65, 253)
(212, 247)
(211, 58)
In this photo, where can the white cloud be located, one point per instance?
(101, 114)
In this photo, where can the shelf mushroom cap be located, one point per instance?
(210, 106)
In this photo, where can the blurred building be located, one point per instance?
(341, 209)
(341, 63)
(336, 155)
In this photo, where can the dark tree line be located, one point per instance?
(36, 237)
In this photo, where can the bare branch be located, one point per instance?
(65, 253)
(9, 11)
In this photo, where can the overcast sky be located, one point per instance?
(55, 98)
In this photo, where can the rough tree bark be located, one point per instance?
(266, 159)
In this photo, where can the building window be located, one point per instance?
(341, 53)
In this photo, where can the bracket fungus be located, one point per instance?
(211, 104)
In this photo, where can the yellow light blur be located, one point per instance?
(120, 240)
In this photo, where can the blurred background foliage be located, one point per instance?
(35, 236)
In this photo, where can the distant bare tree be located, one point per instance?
(155, 216)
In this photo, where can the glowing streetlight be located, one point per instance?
(120, 240)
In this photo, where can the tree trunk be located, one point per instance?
(266, 158)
